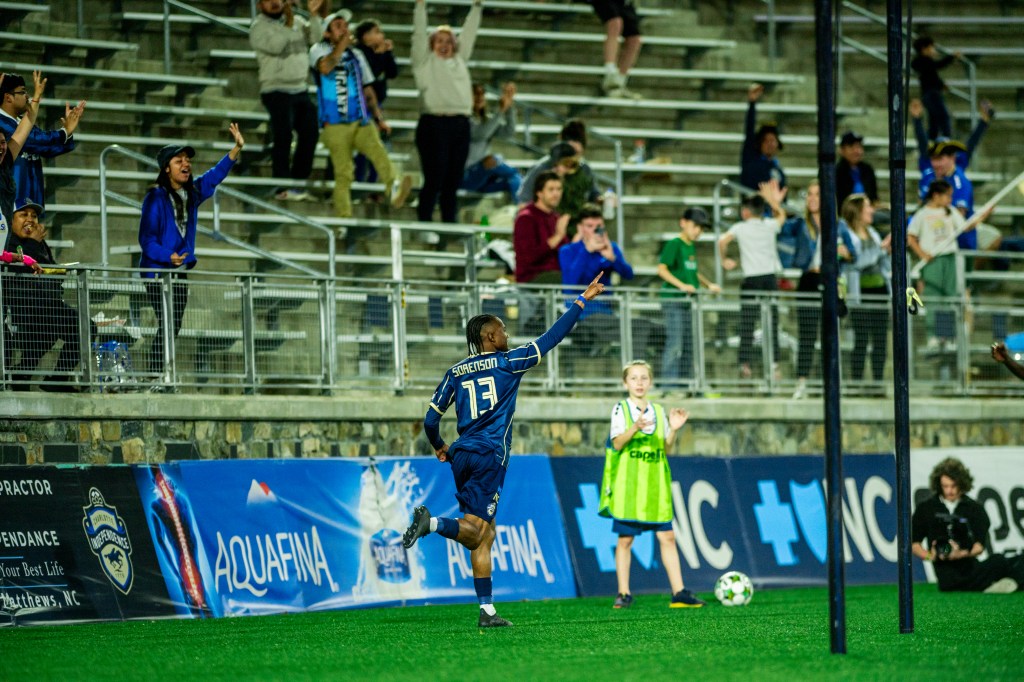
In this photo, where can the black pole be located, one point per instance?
(900, 357)
(830, 323)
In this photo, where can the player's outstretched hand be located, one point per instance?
(595, 289)
(442, 453)
(999, 352)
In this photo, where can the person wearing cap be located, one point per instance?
(441, 70)
(38, 311)
(11, 146)
(946, 159)
(578, 184)
(854, 175)
(167, 228)
(350, 116)
(758, 158)
(41, 144)
(681, 279)
(281, 39)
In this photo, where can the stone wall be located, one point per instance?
(142, 428)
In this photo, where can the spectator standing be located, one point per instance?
(38, 310)
(927, 63)
(167, 229)
(41, 144)
(620, 21)
(11, 146)
(807, 257)
(929, 238)
(349, 114)
(759, 261)
(681, 280)
(440, 68)
(758, 158)
(487, 172)
(281, 39)
(869, 275)
(636, 486)
(854, 175)
(539, 231)
(378, 50)
(948, 160)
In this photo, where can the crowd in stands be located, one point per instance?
(559, 234)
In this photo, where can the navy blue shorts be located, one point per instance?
(478, 482)
(634, 528)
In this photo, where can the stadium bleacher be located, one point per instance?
(693, 72)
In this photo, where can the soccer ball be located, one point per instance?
(734, 589)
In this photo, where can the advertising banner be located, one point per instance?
(764, 516)
(998, 475)
(74, 547)
(267, 536)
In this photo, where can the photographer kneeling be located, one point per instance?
(955, 528)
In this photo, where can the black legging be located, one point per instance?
(750, 314)
(443, 144)
(179, 296)
(808, 320)
(870, 327)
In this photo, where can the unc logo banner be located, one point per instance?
(764, 516)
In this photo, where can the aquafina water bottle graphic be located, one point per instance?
(391, 556)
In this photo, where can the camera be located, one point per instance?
(942, 548)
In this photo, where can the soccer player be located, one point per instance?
(636, 488)
(484, 388)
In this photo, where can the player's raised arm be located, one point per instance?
(567, 321)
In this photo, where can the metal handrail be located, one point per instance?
(216, 233)
(210, 18)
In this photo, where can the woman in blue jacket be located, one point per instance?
(167, 230)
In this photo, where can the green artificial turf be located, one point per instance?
(781, 635)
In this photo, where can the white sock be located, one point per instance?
(488, 609)
(433, 524)
(610, 67)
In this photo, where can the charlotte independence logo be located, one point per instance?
(108, 540)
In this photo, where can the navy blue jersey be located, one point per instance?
(484, 389)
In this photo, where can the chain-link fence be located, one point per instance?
(112, 330)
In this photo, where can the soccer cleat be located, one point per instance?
(419, 527)
(623, 601)
(684, 599)
(494, 621)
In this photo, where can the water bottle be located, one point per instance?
(639, 152)
(485, 222)
(608, 204)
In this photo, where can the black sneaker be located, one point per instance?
(494, 621)
(419, 527)
(623, 601)
(684, 599)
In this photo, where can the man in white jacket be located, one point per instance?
(282, 39)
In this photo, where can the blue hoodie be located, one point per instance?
(158, 232)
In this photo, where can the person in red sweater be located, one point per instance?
(538, 233)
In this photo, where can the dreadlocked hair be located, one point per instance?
(474, 330)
